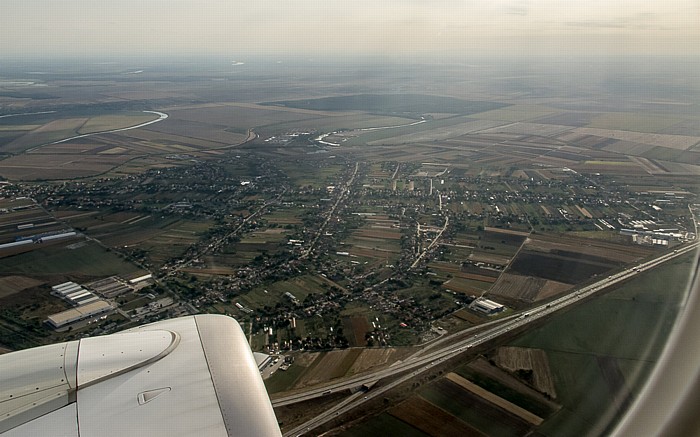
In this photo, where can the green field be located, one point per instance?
(393, 104)
(282, 380)
(311, 174)
(88, 260)
(471, 409)
(507, 393)
(627, 327)
(383, 424)
(271, 294)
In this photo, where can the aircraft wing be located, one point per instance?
(191, 376)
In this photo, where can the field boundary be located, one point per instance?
(494, 399)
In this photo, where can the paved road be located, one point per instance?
(420, 363)
(341, 196)
(433, 243)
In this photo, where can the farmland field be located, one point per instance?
(535, 360)
(383, 424)
(331, 365)
(102, 123)
(37, 166)
(52, 131)
(374, 357)
(641, 314)
(89, 260)
(430, 419)
(392, 104)
(469, 408)
(495, 399)
(14, 284)
(526, 288)
(355, 328)
(556, 267)
(488, 375)
(273, 293)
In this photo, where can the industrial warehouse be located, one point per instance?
(65, 318)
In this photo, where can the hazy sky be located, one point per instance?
(238, 28)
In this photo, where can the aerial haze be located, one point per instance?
(428, 217)
(399, 28)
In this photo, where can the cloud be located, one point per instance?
(597, 24)
(519, 8)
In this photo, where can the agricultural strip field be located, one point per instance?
(238, 116)
(103, 123)
(526, 288)
(10, 285)
(392, 104)
(570, 260)
(586, 360)
(494, 399)
(354, 122)
(488, 375)
(285, 379)
(559, 268)
(455, 270)
(678, 142)
(467, 286)
(192, 129)
(469, 409)
(331, 365)
(431, 131)
(370, 358)
(56, 127)
(52, 167)
(54, 130)
(430, 419)
(355, 328)
(535, 360)
(383, 424)
(517, 113)
(468, 316)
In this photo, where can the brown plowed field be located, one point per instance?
(355, 329)
(550, 289)
(462, 286)
(14, 284)
(596, 248)
(467, 316)
(489, 258)
(456, 270)
(473, 409)
(370, 358)
(520, 287)
(388, 235)
(515, 358)
(430, 419)
(332, 365)
(494, 372)
(494, 399)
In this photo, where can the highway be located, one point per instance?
(419, 363)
